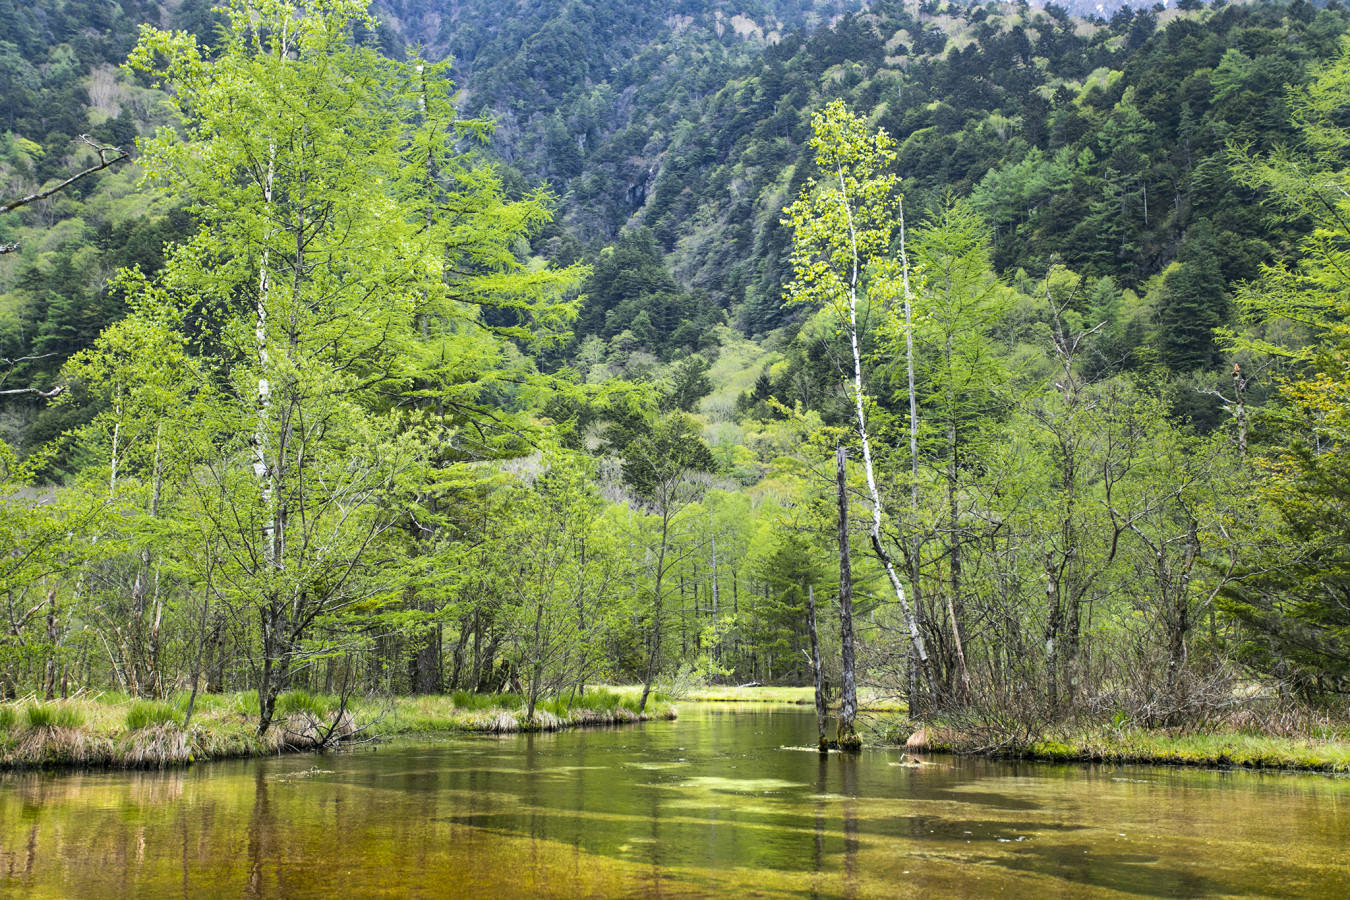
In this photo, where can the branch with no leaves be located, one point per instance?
(49, 394)
(36, 392)
(107, 156)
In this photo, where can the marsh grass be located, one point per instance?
(52, 715)
(1326, 750)
(1327, 753)
(505, 713)
(156, 745)
(294, 703)
(150, 714)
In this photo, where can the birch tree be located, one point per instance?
(845, 228)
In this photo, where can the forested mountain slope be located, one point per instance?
(1101, 145)
(1096, 143)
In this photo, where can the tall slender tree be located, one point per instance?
(844, 228)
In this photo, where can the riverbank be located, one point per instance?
(1327, 752)
(868, 700)
(113, 731)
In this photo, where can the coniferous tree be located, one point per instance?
(1194, 304)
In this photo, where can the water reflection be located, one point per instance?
(718, 802)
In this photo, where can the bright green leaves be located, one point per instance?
(850, 218)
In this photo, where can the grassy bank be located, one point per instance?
(114, 731)
(868, 701)
(1328, 751)
(505, 713)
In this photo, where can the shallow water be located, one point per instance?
(715, 803)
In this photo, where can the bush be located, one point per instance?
(149, 713)
(52, 715)
(8, 716)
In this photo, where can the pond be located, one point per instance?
(724, 801)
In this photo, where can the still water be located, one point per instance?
(716, 803)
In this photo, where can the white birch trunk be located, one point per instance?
(916, 637)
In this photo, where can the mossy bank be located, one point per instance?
(1323, 752)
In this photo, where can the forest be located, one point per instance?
(989, 356)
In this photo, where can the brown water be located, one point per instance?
(711, 804)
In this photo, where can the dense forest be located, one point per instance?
(999, 350)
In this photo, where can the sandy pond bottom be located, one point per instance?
(718, 803)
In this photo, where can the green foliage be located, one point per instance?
(150, 713)
(363, 426)
(1292, 595)
(658, 461)
(689, 384)
(1194, 303)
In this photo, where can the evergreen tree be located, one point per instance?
(1194, 304)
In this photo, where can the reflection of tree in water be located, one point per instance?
(848, 794)
(260, 833)
(848, 777)
(822, 774)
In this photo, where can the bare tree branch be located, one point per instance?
(107, 156)
(39, 392)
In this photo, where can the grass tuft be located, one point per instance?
(150, 713)
(294, 703)
(52, 715)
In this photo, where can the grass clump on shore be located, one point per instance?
(294, 703)
(52, 715)
(505, 713)
(1216, 750)
(1320, 750)
(143, 714)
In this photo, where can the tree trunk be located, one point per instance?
(860, 409)
(846, 733)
